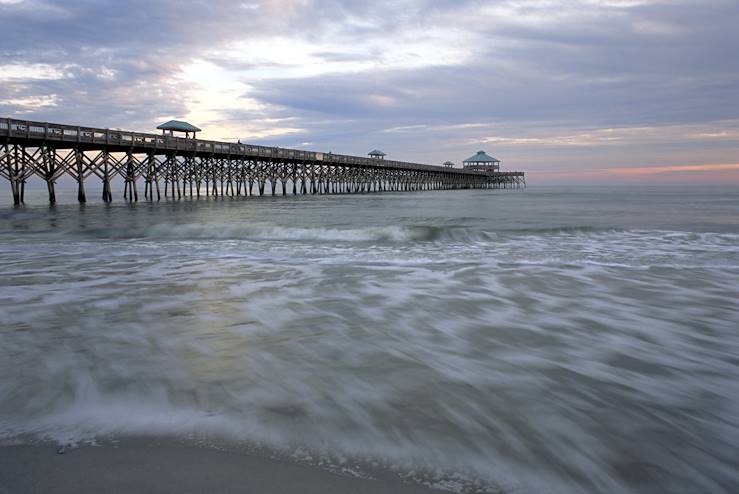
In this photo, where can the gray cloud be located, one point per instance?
(533, 70)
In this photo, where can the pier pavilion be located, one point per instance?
(178, 126)
(482, 162)
(377, 154)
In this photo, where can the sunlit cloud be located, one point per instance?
(214, 98)
(294, 56)
(31, 103)
(25, 72)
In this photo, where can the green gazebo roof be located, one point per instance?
(481, 157)
(178, 126)
(376, 152)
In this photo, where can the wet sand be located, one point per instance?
(154, 466)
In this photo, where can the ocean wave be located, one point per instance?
(90, 416)
(423, 353)
(268, 232)
(564, 230)
(397, 234)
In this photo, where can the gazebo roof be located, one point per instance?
(481, 157)
(448, 163)
(178, 126)
(376, 152)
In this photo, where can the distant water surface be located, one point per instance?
(570, 340)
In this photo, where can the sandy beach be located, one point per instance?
(159, 466)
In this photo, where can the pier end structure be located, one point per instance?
(481, 161)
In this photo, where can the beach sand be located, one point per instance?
(159, 466)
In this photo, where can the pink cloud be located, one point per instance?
(654, 170)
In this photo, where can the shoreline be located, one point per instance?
(144, 465)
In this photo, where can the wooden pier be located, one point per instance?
(176, 167)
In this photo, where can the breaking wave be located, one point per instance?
(271, 232)
(399, 234)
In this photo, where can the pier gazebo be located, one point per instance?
(178, 126)
(376, 154)
(482, 162)
(448, 164)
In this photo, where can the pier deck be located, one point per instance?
(202, 167)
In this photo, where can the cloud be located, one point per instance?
(31, 103)
(542, 83)
(30, 72)
(651, 170)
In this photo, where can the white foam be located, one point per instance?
(544, 357)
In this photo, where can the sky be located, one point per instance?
(570, 91)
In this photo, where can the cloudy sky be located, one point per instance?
(598, 91)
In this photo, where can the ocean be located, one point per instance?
(557, 339)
